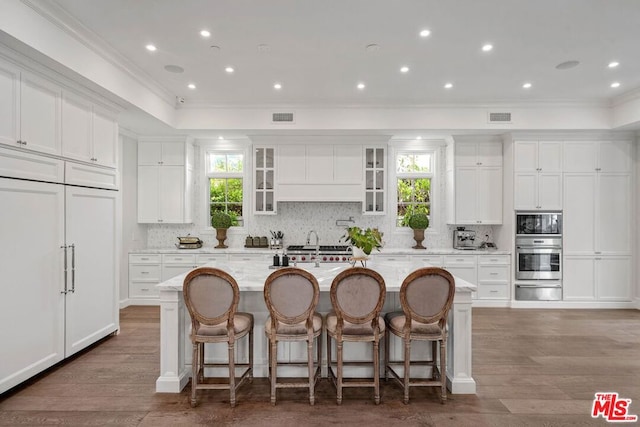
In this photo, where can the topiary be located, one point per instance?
(221, 219)
(419, 221)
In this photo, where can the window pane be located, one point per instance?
(414, 195)
(218, 190)
(234, 188)
(226, 195)
(413, 162)
(405, 190)
(217, 163)
(234, 162)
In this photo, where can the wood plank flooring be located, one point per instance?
(532, 367)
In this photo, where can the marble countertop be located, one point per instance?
(251, 276)
(384, 251)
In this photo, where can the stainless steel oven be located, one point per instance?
(538, 223)
(538, 258)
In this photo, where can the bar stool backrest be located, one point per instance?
(211, 296)
(291, 295)
(426, 295)
(357, 295)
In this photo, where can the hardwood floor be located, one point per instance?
(532, 368)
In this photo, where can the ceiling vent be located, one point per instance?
(499, 118)
(282, 118)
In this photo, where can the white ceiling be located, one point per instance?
(317, 49)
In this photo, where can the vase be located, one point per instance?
(221, 235)
(358, 255)
(418, 236)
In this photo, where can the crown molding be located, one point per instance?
(59, 17)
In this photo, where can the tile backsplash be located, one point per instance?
(296, 219)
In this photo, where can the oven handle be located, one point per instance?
(538, 286)
(545, 248)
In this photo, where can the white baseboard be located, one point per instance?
(490, 303)
(574, 304)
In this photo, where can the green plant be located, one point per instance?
(365, 239)
(221, 219)
(411, 210)
(419, 221)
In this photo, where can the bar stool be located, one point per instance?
(212, 297)
(292, 295)
(357, 295)
(426, 296)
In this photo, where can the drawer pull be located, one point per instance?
(144, 272)
(178, 259)
(145, 289)
(493, 292)
(144, 259)
(493, 274)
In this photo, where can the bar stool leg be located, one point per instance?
(310, 366)
(376, 371)
(407, 368)
(232, 374)
(194, 373)
(340, 345)
(274, 369)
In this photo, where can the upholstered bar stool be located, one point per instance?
(292, 295)
(212, 296)
(426, 296)
(357, 295)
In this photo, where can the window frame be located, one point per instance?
(227, 147)
(436, 149)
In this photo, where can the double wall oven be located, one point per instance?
(538, 256)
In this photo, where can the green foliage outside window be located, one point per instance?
(226, 196)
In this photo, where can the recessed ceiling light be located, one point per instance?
(205, 33)
(151, 48)
(567, 65)
(425, 33)
(277, 86)
(418, 137)
(191, 86)
(174, 69)
(404, 69)
(527, 85)
(615, 84)
(613, 64)
(487, 47)
(448, 85)
(361, 86)
(229, 70)
(214, 48)
(220, 137)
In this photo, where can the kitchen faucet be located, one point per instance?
(317, 245)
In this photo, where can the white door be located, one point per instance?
(580, 156)
(579, 213)
(550, 156)
(613, 278)
(525, 191)
(466, 154)
(525, 156)
(40, 107)
(466, 195)
(550, 191)
(489, 198)
(613, 214)
(172, 201)
(91, 311)
(615, 156)
(9, 104)
(148, 194)
(578, 279)
(105, 138)
(489, 154)
(76, 128)
(31, 261)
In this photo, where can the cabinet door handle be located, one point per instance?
(493, 274)
(144, 272)
(65, 269)
(73, 268)
(144, 259)
(493, 291)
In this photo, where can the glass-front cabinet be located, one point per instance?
(374, 175)
(264, 183)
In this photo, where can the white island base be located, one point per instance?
(175, 351)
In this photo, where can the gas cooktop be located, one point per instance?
(326, 253)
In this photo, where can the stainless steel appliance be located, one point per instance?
(189, 242)
(326, 253)
(538, 256)
(464, 239)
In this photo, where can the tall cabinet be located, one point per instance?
(477, 183)
(597, 220)
(165, 180)
(537, 175)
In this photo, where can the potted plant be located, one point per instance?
(363, 241)
(221, 221)
(418, 222)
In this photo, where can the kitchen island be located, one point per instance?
(175, 351)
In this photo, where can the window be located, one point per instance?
(225, 171)
(414, 175)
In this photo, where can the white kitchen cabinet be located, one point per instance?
(164, 187)
(597, 214)
(264, 184)
(29, 110)
(174, 264)
(494, 272)
(600, 278)
(427, 260)
(374, 180)
(477, 183)
(144, 275)
(59, 313)
(89, 132)
(597, 156)
(537, 175)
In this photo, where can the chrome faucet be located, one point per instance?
(317, 245)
